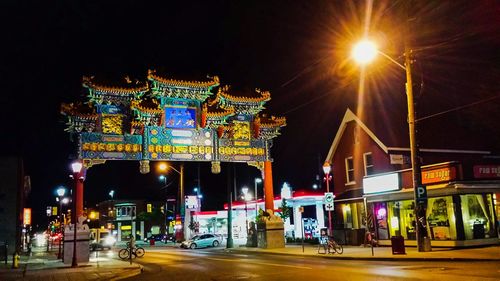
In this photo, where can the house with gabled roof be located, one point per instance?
(372, 184)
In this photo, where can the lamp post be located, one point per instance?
(246, 197)
(364, 52)
(326, 169)
(257, 180)
(76, 167)
(60, 193)
(163, 167)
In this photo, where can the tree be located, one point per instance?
(286, 211)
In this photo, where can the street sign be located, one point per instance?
(328, 200)
(329, 207)
(329, 197)
(421, 193)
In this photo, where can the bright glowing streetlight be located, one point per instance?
(363, 53)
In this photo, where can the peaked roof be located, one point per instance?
(349, 116)
(395, 145)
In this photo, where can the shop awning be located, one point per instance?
(442, 190)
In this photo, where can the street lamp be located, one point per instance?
(112, 194)
(60, 193)
(76, 168)
(257, 180)
(364, 52)
(326, 169)
(163, 167)
(246, 196)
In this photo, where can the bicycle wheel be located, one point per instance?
(139, 252)
(123, 254)
(338, 248)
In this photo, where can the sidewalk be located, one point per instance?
(491, 253)
(46, 266)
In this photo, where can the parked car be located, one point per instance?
(101, 239)
(157, 237)
(203, 240)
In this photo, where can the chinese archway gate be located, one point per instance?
(173, 120)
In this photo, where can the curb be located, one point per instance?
(132, 272)
(323, 256)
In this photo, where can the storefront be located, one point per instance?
(459, 212)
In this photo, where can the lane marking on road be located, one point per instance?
(262, 263)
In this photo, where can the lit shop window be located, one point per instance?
(441, 218)
(402, 219)
(477, 213)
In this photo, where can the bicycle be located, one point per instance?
(330, 246)
(137, 252)
(333, 247)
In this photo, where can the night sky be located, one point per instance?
(298, 50)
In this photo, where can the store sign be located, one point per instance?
(191, 202)
(382, 183)
(438, 175)
(27, 216)
(487, 171)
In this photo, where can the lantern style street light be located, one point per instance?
(326, 169)
(364, 52)
(76, 168)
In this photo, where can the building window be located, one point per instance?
(149, 208)
(368, 159)
(477, 214)
(349, 168)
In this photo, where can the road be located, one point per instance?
(218, 265)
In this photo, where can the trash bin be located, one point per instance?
(398, 245)
(151, 242)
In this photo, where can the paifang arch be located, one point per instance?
(173, 120)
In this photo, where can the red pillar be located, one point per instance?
(79, 196)
(268, 185)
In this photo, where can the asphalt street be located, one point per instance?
(217, 264)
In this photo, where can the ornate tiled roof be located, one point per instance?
(153, 75)
(126, 89)
(215, 111)
(147, 105)
(272, 121)
(79, 110)
(256, 96)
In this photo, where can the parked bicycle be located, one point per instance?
(333, 247)
(137, 252)
(330, 246)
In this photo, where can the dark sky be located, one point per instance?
(298, 50)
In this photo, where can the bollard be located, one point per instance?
(15, 260)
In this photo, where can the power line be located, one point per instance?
(458, 108)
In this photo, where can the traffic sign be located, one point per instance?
(421, 193)
(329, 207)
(329, 197)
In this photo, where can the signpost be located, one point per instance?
(301, 210)
(328, 200)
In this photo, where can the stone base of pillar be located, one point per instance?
(271, 234)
